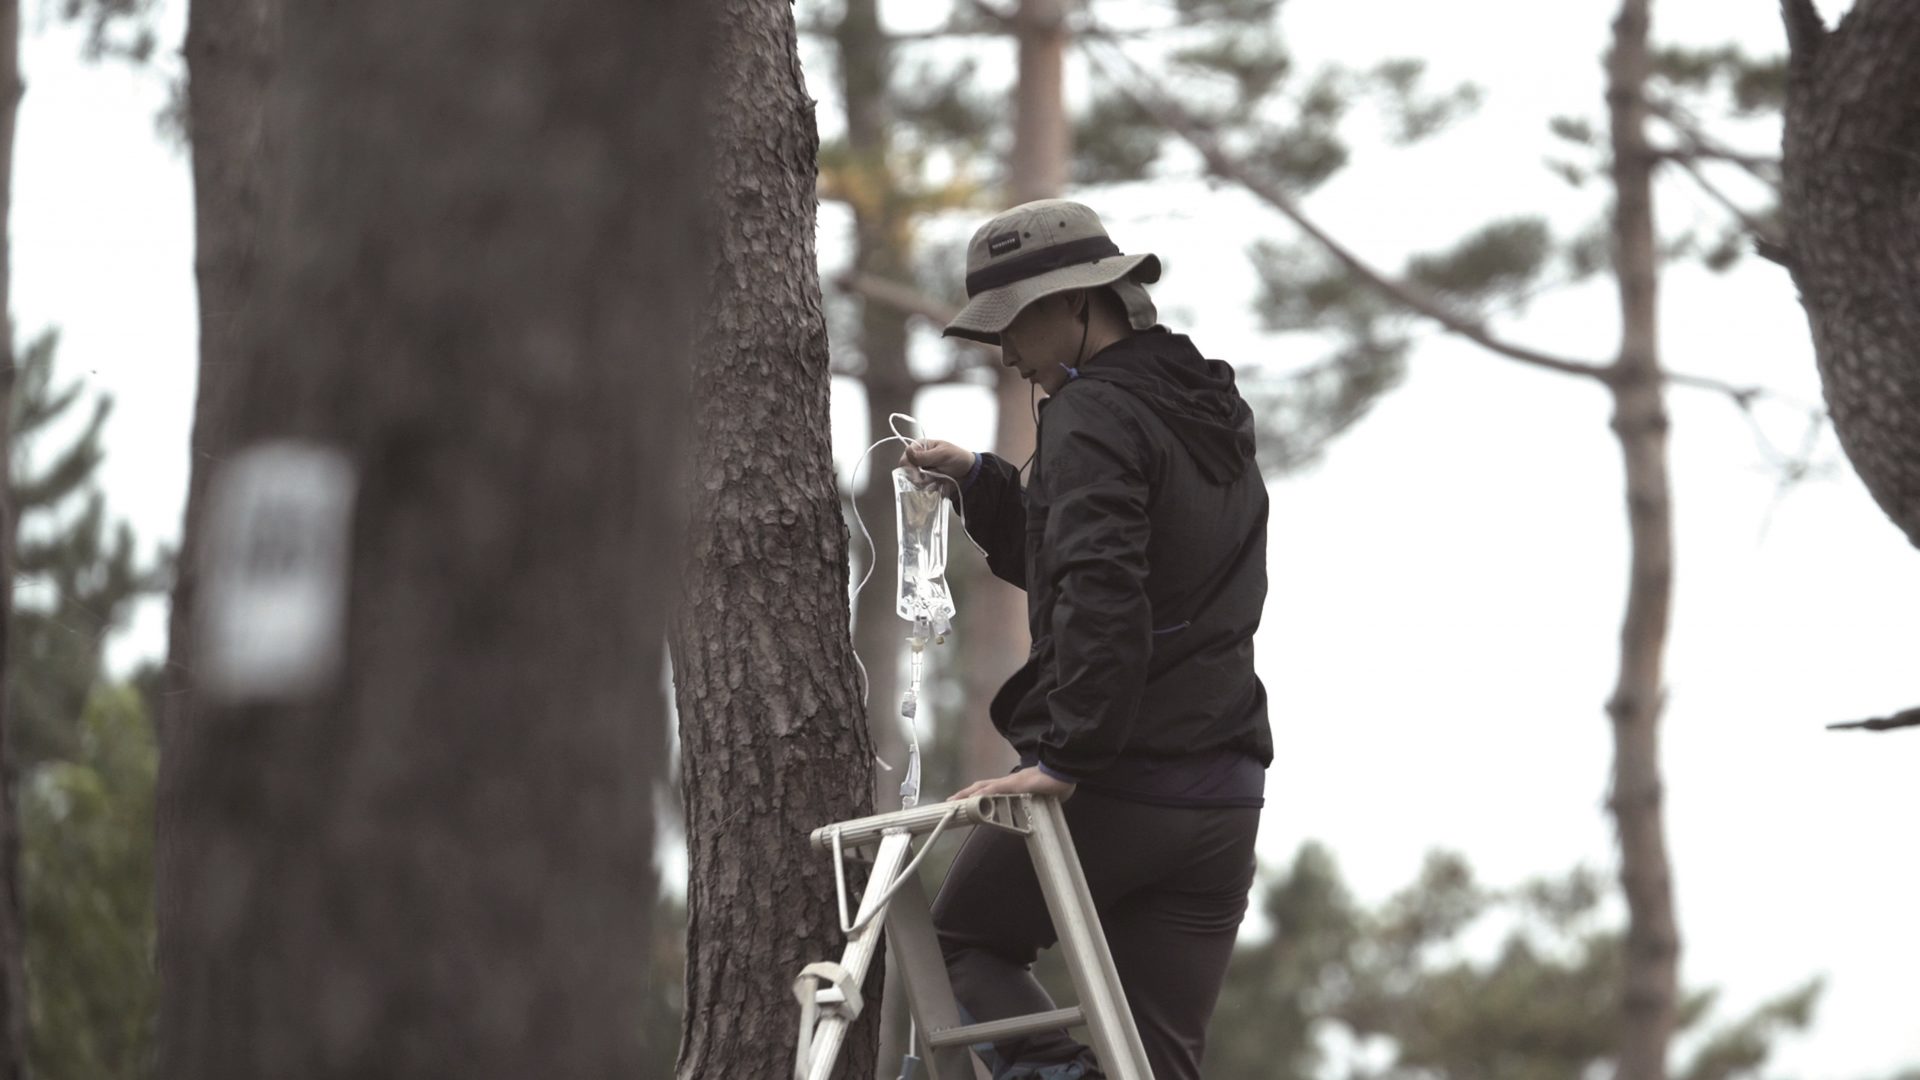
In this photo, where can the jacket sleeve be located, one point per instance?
(1095, 469)
(995, 513)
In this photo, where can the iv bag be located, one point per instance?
(920, 521)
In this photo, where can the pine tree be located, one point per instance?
(1402, 979)
(79, 581)
(87, 875)
(85, 748)
(1850, 145)
(75, 579)
(772, 741)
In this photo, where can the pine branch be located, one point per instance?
(72, 469)
(1145, 91)
(997, 25)
(1767, 241)
(1007, 21)
(1219, 164)
(987, 22)
(34, 558)
(1742, 396)
(1758, 164)
(1902, 719)
(1764, 235)
(902, 298)
(911, 301)
(34, 409)
(1793, 466)
(1701, 145)
(943, 33)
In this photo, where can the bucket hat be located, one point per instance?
(1040, 248)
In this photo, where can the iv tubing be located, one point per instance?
(873, 554)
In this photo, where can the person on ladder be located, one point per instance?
(1140, 539)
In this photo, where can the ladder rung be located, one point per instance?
(1011, 1028)
(980, 810)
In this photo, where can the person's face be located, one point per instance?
(1043, 337)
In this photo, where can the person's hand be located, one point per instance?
(1029, 781)
(936, 455)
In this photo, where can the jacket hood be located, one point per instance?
(1196, 397)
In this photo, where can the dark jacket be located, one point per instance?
(1141, 542)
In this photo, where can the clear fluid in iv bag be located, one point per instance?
(920, 519)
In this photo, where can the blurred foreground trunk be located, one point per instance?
(13, 988)
(232, 51)
(433, 564)
(773, 741)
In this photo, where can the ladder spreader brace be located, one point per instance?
(829, 993)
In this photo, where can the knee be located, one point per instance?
(953, 942)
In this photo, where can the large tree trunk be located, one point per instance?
(231, 52)
(13, 989)
(773, 742)
(435, 857)
(1852, 205)
(1640, 422)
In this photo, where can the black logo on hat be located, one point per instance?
(1000, 243)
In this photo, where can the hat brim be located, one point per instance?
(992, 311)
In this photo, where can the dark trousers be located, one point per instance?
(1170, 884)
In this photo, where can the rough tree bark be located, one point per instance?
(773, 742)
(13, 987)
(436, 859)
(1640, 422)
(231, 52)
(1851, 200)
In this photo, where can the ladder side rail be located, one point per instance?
(919, 963)
(819, 1054)
(989, 810)
(1083, 943)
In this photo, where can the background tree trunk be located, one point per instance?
(439, 860)
(231, 51)
(882, 235)
(995, 636)
(1042, 137)
(1640, 422)
(13, 1005)
(1851, 200)
(773, 742)
(881, 231)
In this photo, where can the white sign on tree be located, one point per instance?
(273, 573)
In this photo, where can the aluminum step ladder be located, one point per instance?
(829, 993)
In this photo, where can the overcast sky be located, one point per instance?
(1447, 585)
